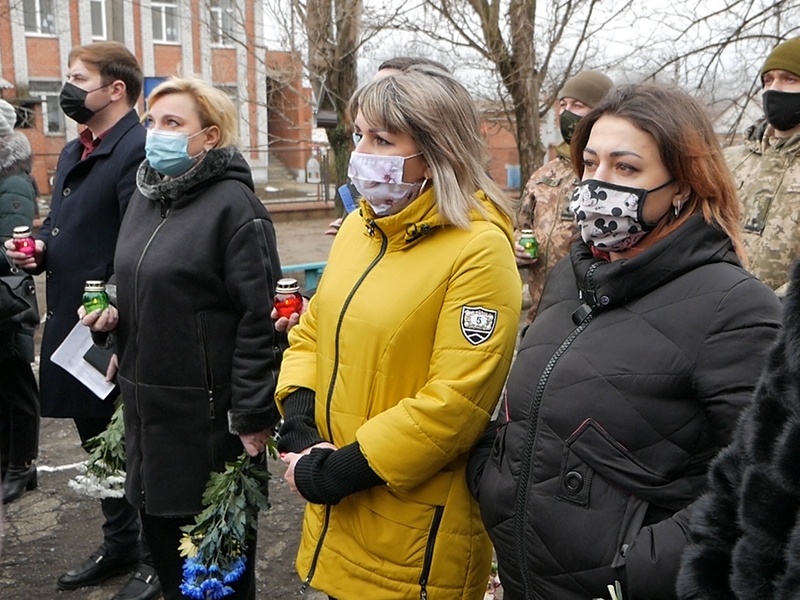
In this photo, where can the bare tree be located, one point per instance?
(717, 50)
(532, 47)
(333, 29)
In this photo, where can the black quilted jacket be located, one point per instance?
(625, 387)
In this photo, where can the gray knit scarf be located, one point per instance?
(155, 185)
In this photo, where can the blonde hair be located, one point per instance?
(214, 107)
(433, 108)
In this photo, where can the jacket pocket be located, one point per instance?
(498, 483)
(595, 447)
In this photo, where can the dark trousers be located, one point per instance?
(121, 529)
(164, 535)
(19, 413)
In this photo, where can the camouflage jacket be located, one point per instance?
(766, 171)
(545, 209)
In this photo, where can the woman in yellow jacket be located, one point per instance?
(394, 369)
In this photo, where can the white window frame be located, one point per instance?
(50, 100)
(38, 12)
(219, 37)
(162, 6)
(103, 19)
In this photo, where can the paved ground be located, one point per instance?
(51, 529)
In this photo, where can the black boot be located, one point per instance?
(17, 480)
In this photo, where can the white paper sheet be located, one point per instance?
(69, 356)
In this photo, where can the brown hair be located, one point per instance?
(687, 146)
(114, 62)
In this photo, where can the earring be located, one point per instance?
(677, 208)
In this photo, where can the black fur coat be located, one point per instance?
(746, 533)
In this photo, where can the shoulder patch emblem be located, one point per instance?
(477, 323)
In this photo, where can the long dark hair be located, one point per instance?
(688, 148)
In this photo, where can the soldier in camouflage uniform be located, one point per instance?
(545, 203)
(767, 171)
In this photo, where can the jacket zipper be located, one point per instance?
(530, 439)
(164, 215)
(426, 565)
(371, 228)
(207, 366)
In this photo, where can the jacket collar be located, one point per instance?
(420, 218)
(605, 284)
(760, 139)
(111, 136)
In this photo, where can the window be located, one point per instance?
(39, 16)
(49, 92)
(165, 21)
(25, 117)
(99, 20)
(221, 22)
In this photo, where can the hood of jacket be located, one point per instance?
(216, 165)
(760, 138)
(15, 155)
(422, 217)
(605, 284)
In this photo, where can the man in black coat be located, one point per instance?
(95, 179)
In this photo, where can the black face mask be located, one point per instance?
(568, 122)
(782, 109)
(73, 102)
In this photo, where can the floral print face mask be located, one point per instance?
(379, 179)
(610, 216)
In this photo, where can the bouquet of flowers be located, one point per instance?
(104, 471)
(215, 545)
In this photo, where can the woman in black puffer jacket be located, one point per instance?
(647, 345)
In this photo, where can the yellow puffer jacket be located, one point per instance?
(407, 344)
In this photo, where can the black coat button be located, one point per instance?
(55, 231)
(573, 482)
(605, 300)
(66, 192)
(49, 314)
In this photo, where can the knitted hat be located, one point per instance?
(590, 87)
(8, 118)
(786, 56)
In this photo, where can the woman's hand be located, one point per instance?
(291, 458)
(23, 260)
(255, 443)
(100, 320)
(284, 323)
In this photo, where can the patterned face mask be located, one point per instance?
(610, 216)
(379, 180)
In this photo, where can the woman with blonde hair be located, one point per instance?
(395, 368)
(648, 343)
(196, 265)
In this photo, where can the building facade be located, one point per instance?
(217, 40)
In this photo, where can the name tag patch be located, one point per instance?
(477, 323)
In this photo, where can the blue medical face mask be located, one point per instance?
(168, 151)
